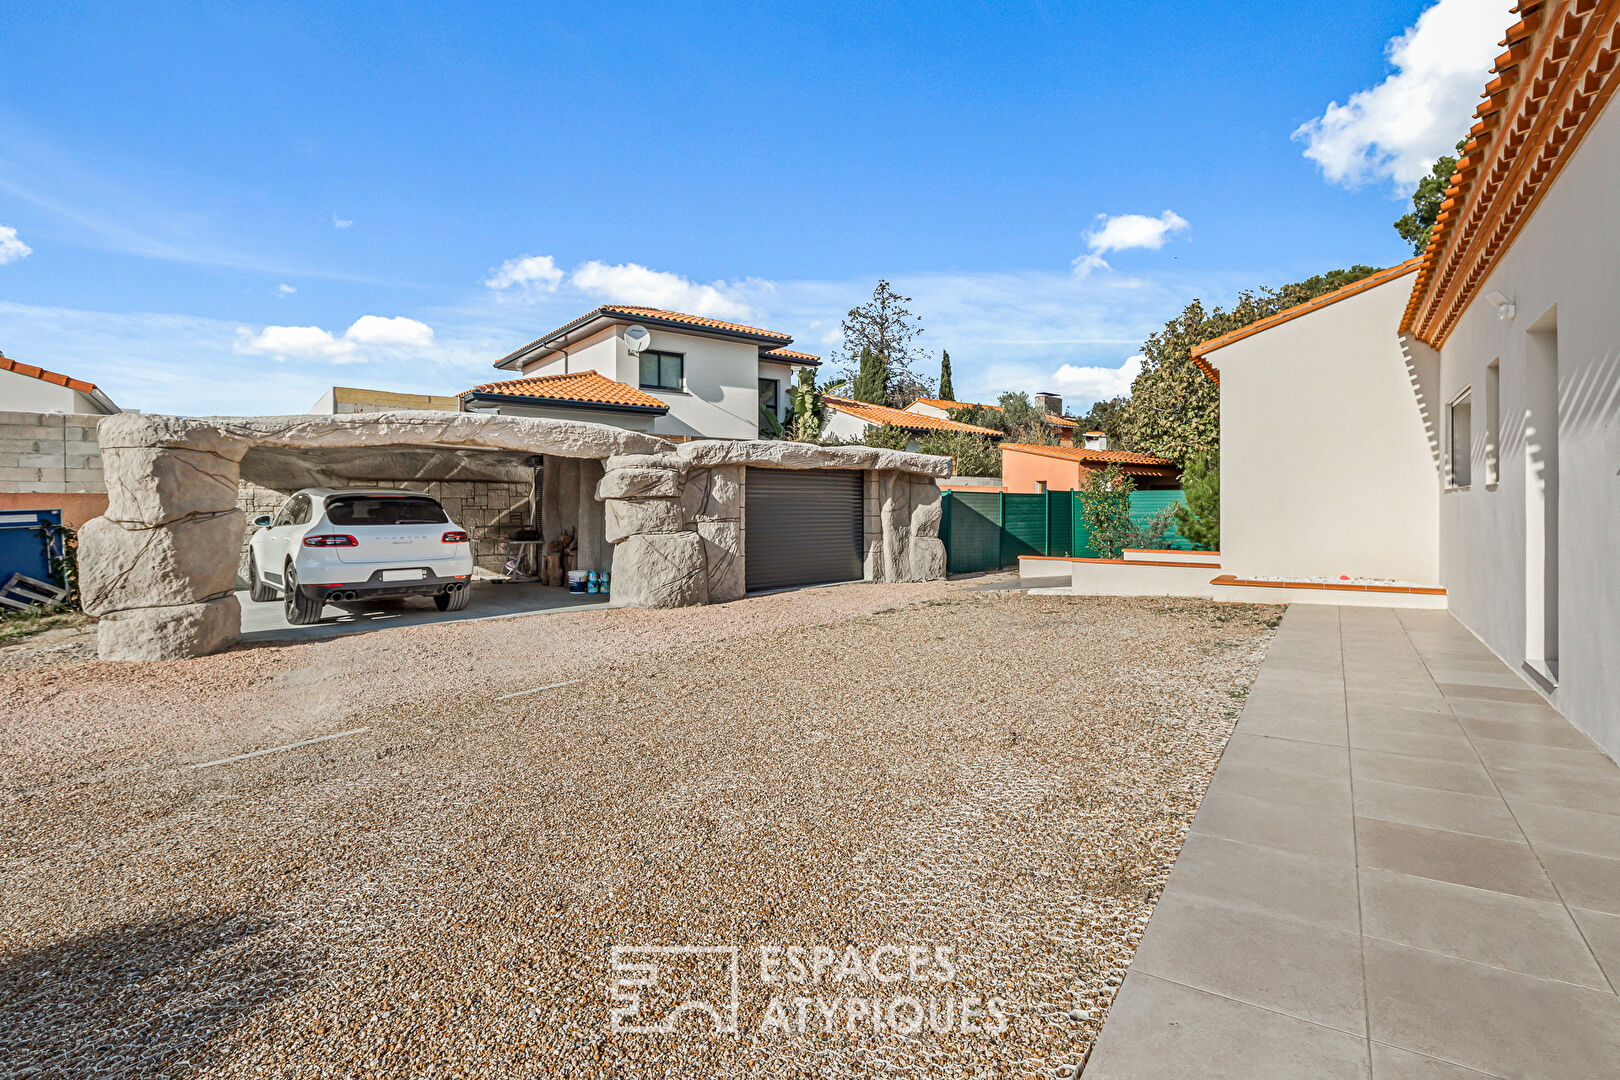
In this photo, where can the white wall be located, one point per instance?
(840, 425)
(1326, 463)
(1564, 267)
(24, 393)
(721, 396)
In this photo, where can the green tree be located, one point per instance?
(872, 379)
(888, 437)
(808, 412)
(1198, 519)
(1431, 192)
(1111, 417)
(1025, 422)
(886, 326)
(947, 392)
(1105, 508)
(1175, 407)
(973, 455)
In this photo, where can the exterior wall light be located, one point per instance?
(1504, 306)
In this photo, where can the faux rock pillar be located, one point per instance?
(158, 569)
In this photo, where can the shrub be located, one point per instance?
(1105, 508)
(973, 455)
(1199, 519)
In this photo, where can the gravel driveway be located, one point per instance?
(859, 779)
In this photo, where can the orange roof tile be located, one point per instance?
(882, 414)
(8, 364)
(941, 403)
(1092, 457)
(1561, 67)
(655, 316)
(573, 388)
(1344, 292)
(790, 356)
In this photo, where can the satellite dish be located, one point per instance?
(637, 338)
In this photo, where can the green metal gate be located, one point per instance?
(987, 530)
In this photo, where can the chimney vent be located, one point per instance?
(1049, 403)
(1096, 440)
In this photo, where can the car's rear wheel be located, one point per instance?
(302, 610)
(257, 589)
(453, 601)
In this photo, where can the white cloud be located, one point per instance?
(1076, 384)
(285, 290)
(11, 248)
(1122, 232)
(313, 343)
(631, 283)
(301, 341)
(397, 332)
(532, 273)
(341, 223)
(1396, 130)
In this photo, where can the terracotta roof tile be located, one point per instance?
(8, 364)
(580, 387)
(941, 403)
(882, 414)
(790, 356)
(1092, 457)
(1342, 293)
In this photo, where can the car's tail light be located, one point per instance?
(455, 536)
(331, 540)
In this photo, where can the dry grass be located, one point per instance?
(1006, 776)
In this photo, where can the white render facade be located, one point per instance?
(725, 376)
(1464, 422)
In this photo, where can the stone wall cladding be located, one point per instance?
(50, 452)
(701, 488)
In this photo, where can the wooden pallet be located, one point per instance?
(23, 593)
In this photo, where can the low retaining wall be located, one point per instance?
(1248, 591)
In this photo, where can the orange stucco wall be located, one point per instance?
(77, 507)
(1024, 472)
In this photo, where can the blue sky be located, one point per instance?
(229, 208)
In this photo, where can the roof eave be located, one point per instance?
(562, 403)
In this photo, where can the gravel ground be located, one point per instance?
(1001, 777)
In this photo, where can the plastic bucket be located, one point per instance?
(576, 580)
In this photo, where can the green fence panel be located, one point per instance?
(1059, 523)
(1023, 526)
(990, 530)
(972, 533)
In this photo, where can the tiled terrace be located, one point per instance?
(1407, 867)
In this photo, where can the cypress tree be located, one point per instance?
(872, 380)
(947, 392)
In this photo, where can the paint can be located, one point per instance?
(576, 581)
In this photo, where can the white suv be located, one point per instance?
(335, 546)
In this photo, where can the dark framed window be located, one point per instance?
(663, 370)
(769, 389)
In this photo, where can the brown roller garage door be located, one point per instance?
(804, 528)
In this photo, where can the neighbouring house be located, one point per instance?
(26, 388)
(850, 419)
(1456, 419)
(1029, 468)
(49, 456)
(664, 372)
(1051, 405)
(353, 399)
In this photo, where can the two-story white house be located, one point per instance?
(675, 375)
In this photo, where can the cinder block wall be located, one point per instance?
(488, 510)
(50, 452)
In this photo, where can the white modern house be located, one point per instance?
(1456, 419)
(664, 372)
(29, 389)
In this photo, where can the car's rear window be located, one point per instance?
(384, 510)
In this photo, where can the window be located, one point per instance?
(294, 512)
(663, 370)
(1493, 422)
(385, 510)
(768, 390)
(1461, 435)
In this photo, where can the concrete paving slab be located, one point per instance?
(1484, 918)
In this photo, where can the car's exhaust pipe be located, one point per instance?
(343, 596)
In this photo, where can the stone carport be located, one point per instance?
(159, 569)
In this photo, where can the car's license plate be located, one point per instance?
(404, 575)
